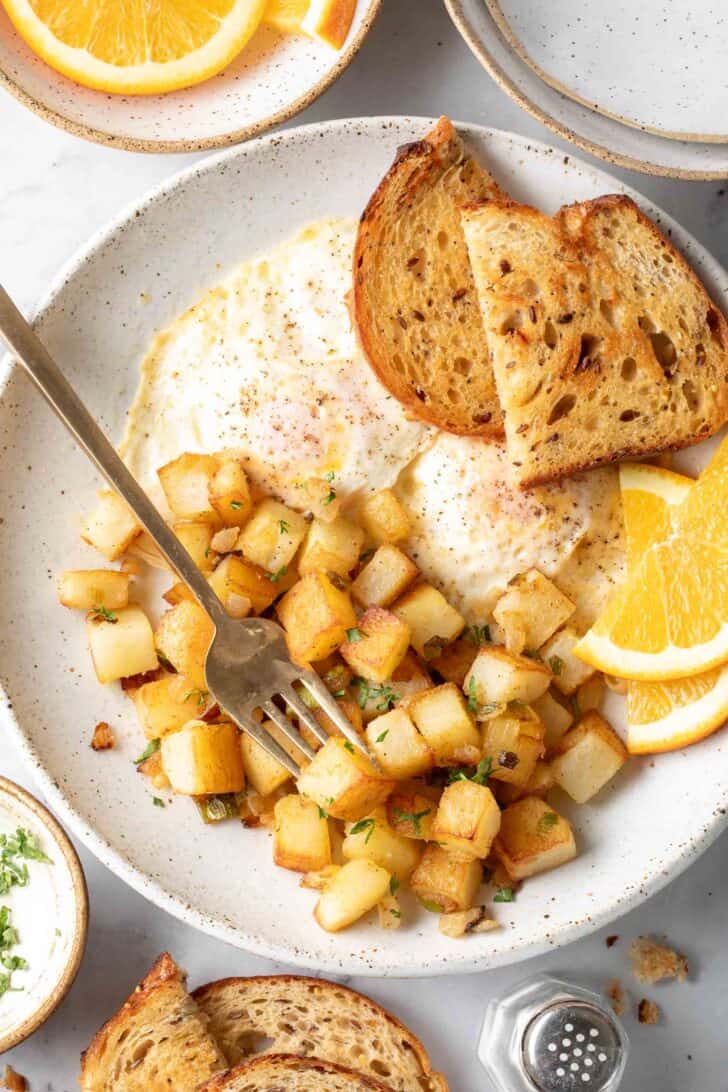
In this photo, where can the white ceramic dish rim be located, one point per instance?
(678, 858)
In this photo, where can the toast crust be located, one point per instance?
(307, 1073)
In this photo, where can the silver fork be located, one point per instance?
(247, 664)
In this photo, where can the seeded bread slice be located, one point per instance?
(605, 344)
(286, 1014)
(288, 1073)
(157, 1041)
(414, 301)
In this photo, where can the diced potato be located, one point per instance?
(315, 615)
(343, 781)
(443, 883)
(376, 645)
(389, 912)
(318, 496)
(89, 588)
(533, 838)
(351, 711)
(568, 670)
(442, 717)
(411, 812)
(272, 535)
(383, 517)
(540, 782)
(554, 716)
(353, 892)
(177, 593)
(373, 839)
(111, 528)
(410, 678)
(590, 754)
(537, 604)
(467, 820)
(455, 660)
(197, 540)
(433, 622)
(384, 578)
(186, 484)
(590, 694)
(397, 746)
(514, 743)
(123, 646)
(461, 923)
(145, 549)
(235, 576)
(203, 758)
(151, 768)
(499, 676)
(320, 879)
(167, 704)
(331, 547)
(230, 493)
(301, 839)
(264, 772)
(183, 636)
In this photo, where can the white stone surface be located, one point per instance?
(54, 191)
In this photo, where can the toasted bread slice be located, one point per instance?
(414, 301)
(157, 1041)
(604, 342)
(294, 1015)
(288, 1073)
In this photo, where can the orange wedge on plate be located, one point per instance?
(136, 47)
(285, 15)
(671, 618)
(329, 20)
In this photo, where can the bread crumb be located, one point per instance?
(648, 1012)
(652, 962)
(611, 941)
(617, 996)
(14, 1081)
(103, 737)
(461, 923)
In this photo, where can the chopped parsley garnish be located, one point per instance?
(433, 648)
(396, 913)
(275, 577)
(158, 802)
(323, 814)
(393, 885)
(103, 614)
(354, 635)
(433, 907)
(383, 735)
(284, 526)
(472, 695)
(548, 820)
(556, 664)
(413, 817)
(15, 850)
(332, 492)
(151, 748)
(383, 696)
(477, 635)
(8, 940)
(236, 505)
(478, 774)
(504, 894)
(200, 696)
(364, 825)
(339, 693)
(348, 746)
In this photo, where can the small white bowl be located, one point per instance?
(50, 914)
(273, 78)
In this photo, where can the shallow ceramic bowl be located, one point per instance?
(53, 907)
(273, 78)
(132, 279)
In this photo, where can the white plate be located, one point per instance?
(274, 78)
(595, 132)
(644, 829)
(658, 65)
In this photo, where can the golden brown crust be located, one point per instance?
(278, 1066)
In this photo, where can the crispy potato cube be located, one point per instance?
(540, 782)
(383, 517)
(202, 758)
(443, 883)
(167, 704)
(186, 484)
(376, 646)
(411, 812)
(455, 660)
(145, 549)
(568, 670)
(183, 636)
(373, 839)
(353, 892)
(343, 781)
(430, 617)
(318, 496)
(236, 576)
(264, 772)
(410, 677)
(514, 743)
(351, 711)
(554, 716)
(331, 547)
(442, 717)
(123, 646)
(177, 593)
(533, 838)
(467, 820)
(230, 493)
(590, 694)
(89, 588)
(301, 839)
(384, 578)
(498, 676)
(111, 528)
(315, 615)
(272, 535)
(197, 541)
(397, 746)
(538, 605)
(590, 754)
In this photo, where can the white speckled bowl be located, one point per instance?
(132, 279)
(273, 78)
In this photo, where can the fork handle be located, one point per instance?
(59, 393)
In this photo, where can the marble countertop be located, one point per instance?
(54, 191)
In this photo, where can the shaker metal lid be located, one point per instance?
(571, 1045)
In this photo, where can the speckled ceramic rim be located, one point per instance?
(477, 47)
(666, 869)
(61, 988)
(131, 144)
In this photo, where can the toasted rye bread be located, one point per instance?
(157, 1041)
(311, 1016)
(288, 1073)
(604, 342)
(414, 302)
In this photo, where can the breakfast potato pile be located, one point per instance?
(468, 727)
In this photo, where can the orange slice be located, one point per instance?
(136, 47)
(329, 20)
(285, 15)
